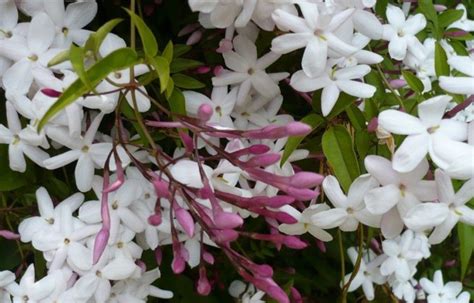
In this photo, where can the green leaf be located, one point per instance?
(59, 58)
(441, 61)
(414, 83)
(381, 7)
(428, 9)
(466, 241)
(150, 46)
(449, 16)
(162, 68)
(459, 47)
(168, 52)
(76, 56)
(356, 117)
(169, 88)
(312, 120)
(115, 61)
(187, 82)
(342, 103)
(362, 143)
(95, 39)
(181, 49)
(177, 102)
(338, 149)
(181, 64)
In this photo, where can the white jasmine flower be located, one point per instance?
(438, 292)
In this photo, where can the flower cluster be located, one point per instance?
(186, 177)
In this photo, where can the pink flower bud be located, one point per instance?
(285, 218)
(278, 294)
(258, 149)
(225, 45)
(155, 219)
(186, 221)
(450, 263)
(141, 264)
(52, 93)
(397, 83)
(158, 255)
(9, 235)
(298, 129)
(306, 180)
(263, 160)
(187, 141)
(264, 270)
(373, 125)
(225, 220)
(294, 242)
(295, 295)
(320, 244)
(202, 70)
(194, 38)
(161, 187)
(218, 70)
(302, 194)
(456, 33)
(203, 285)
(188, 29)
(276, 201)
(440, 7)
(205, 112)
(100, 244)
(208, 257)
(178, 264)
(225, 235)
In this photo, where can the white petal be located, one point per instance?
(314, 57)
(245, 48)
(329, 98)
(397, 48)
(442, 231)
(411, 152)
(401, 123)
(40, 34)
(289, 42)
(235, 62)
(457, 85)
(333, 191)
(381, 169)
(426, 215)
(391, 224)
(432, 110)
(84, 172)
(80, 14)
(263, 84)
(367, 24)
(119, 269)
(302, 83)
(330, 218)
(380, 200)
(414, 24)
(356, 89)
(395, 16)
(18, 78)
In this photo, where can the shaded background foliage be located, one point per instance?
(315, 273)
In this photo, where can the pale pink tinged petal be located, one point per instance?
(464, 64)
(302, 83)
(14, 49)
(417, 174)
(359, 188)
(92, 130)
(426, 215)
(62, 159)
(395, 16)
(194, 100)
(35, 154)
(424, 190)
(444, 186)
(349, 225)
(465, 193)
(244, 91)
(367, 57)
(194, 249)
(142, 101)
(352, 72)
(329, 98)
(246, 13)
(367, 23)
(466, 213)
(235, 62)
(314, 57)
(292, 229)
(391, 224)
(411, 153)
(264, 85)
(414, 24)
(333, 191)
(356, 89)
(397, 48)
(287, 43)
(457, 85)
(267, 60)
(432, 110)
(245, 48)
(224, 15)
(330, 218)
(381, 169)
(119, 269)
(55, 10)
(338, 45)
(319, 233)
(151, 237)
(442, 231)
(80, 14)
(42, 289)
(382, 199)
(160, 293)
(40, 34)
(369, 219)
(84, 173)
(229, 78)
(79, 256)
(18, 78)
(290, 22)
(401, 123)
(131, 220)
(16, 157)
(452, 129)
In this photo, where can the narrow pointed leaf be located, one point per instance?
(441, 61)
(150, 46)
(412, 81)
(96, 38)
